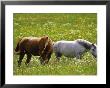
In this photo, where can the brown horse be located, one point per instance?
(35, 46)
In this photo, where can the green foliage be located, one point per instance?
(58, 26)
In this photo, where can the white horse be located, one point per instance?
(74, 48)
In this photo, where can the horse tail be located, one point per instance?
(17, 47)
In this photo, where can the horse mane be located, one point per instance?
(84, 43)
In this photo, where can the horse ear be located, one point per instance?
(92, 44)
(53, 43)
(46, 37)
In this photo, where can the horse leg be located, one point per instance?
(48, 56)
(41, 59)
(20, 59)
(78, 56)
(58, 55)
(28, 58)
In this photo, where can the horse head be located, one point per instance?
(93, 50)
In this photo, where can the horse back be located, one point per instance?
(29, 45)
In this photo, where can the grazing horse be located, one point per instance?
(35, 46)
(74, 48)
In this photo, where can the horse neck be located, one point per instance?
(85, 44)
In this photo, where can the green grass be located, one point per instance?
(58, 27)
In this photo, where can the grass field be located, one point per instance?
(57, 27)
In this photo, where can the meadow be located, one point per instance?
(58, 26)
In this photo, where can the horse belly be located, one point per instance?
(34, 51)
(68, 51)
(72, 49)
